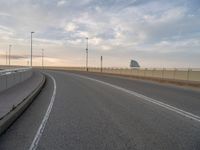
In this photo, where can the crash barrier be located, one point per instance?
(11, 77)
(184, 74)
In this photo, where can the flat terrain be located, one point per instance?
(91, 114)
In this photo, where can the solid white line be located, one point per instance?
(143, 97)
(44, 121)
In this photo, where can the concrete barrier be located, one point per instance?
(177, 74)
(13, 114)
(11, 77)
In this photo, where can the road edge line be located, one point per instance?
(154, 101)
(40, 130)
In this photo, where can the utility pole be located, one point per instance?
(101, 63)
(9, 53)
(87, 54)
(31, 47)
(42, 58)
(6, 57)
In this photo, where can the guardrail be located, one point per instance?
(173, 74)
(11, 77)
(182, 74)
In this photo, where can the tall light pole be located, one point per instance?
(6, 57)
(42, 58)
(31, 47)
(101, 63)
(9, 53)
(86, 54)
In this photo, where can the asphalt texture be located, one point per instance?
(88, 115)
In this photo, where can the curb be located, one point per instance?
(10, 117)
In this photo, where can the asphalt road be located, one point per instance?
(91, 114)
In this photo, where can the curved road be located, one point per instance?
(88, 111)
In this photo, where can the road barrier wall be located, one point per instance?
(11, 77)
(180, 74)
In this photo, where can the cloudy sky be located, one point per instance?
(156, 33)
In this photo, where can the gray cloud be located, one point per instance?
(16, 57)
(125, 27)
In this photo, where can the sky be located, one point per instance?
(156, 33)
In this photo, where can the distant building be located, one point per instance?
(134, 64)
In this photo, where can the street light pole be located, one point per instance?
(87, 54)
(42, 58)
(101, 63)
(6, 57)
(31, 48)
(9, 53)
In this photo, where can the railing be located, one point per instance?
(9, 71)
(11, 77)
(162, 73)
(184, 74)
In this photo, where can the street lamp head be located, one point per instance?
(32, 32)
(86, 38)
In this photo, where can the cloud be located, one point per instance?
(16, 57)
(70, 27)
(113, 27)
(61, 2)
(4, 14)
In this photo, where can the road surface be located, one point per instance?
(86, 111)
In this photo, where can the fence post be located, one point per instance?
(188, 74)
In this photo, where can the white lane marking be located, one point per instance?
(44, 121)
(157, 102)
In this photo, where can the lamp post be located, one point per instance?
(6, 57)
(9, 53)
(31, 47)
(87, 54)
(101, 63)
(42, 58)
